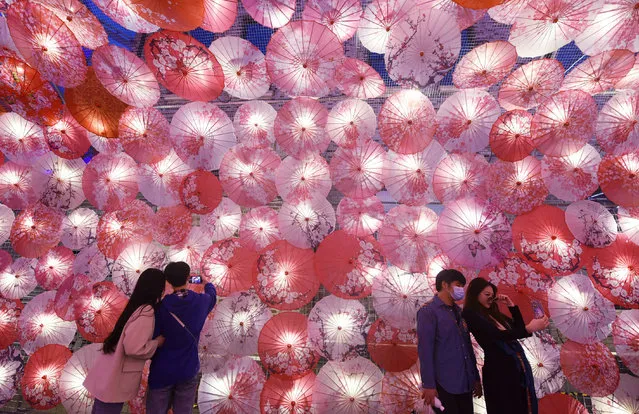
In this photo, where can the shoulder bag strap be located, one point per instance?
(183, 326)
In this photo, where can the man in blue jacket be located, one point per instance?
(180, 318)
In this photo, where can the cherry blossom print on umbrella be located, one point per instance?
(229, 266)
(66, 138)
(259, 228)
(599, 73)
(60, 181)
(591, 223)
(359, 80)
(341, 16)
(302, 58)
(360, 216)
(618, 178)
(244, 67)
(201, 134)
(614, 27)
(144, 133)
(300, 127)
(392, 349)
(590, 368)
(79, 228)
(402, 392)
(254, 122)
(238, 321)
(284, 347)
(92, 263)
(201, 192)
(337, 327)
(422, 48)
(234, 388)
(285, 395)
(21, 141)
(75, 397)
(350, 123)
(121, 12)
(46, 43)
(39, 325)
(134, 260)
(542, 353)
(18, 279)
(625, 335)
(516, 187)
(352, 386)
(73, 295)
(119, 229)
(358, 172)
(171, 225)
(86, 28)
(110, 182)
(561, 403)
(407, 121)
(299, 179)
(17, 186)
(304, 224)
(54, 267)
(10, 310)
(474, 234)
(485, 65)
(105, 146)
(6, 221)
(624, 399)
(465, 16)
(459, 176)
(212, 356)
(572, 177)
(248, 175)
(531, 84)
(347, 265)
(510, 138)
(160, 182)
(219, 15)
(380, 18)
(96, 319)
(270, 13)
(223, 222)
(629, 223)
(40, 383)
(190, 250)
(617, 131)
(11, 370)
(36, 230)
(180, 15)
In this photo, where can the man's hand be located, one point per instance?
(428, 395)
(477, 390)
(160, 340)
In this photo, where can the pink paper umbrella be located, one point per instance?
(485, 65)
(414, 56)
(47, 44)
(73, 294)
(516, 187)
(17, 186)
(285, 276)
(259, 228)
(358, 80)
(574, 176)
(270, 13)
(219, 15)
(244, 67)
(190, 250)
(160, 182)
(353, 386)
(10, 310)
(350, 123)
(254, 122)
(21, 141)
(248, 175)
(380, 18)
(75, 397)
(144, 133)
(407, 122)
(36, 230)
(288, 396)
(302, 57)
(564, 123)
(473, 233)
(531, 84)
(40, 382)
(223, 222)
(82, 23)
(358, 172)
(184, 66)
(544, 356)
(614, 27)
(304, 224)
(392, 349)
(629, 223)
(599, 73)
(341, 16)
(617, 131)
(60, 181)
(624, 399)
(459, 176)
(54, 267)
(133, 261)
(465, 16)
(408, 177)
(591, 368)
(508, 11)
(79, 228)
(408, 237)
(625, 335)
(39, 325)
(171, 225)
(465, 120)
(591, 223)
(551, 24)
(120, 228)
(300, 127)
(398, 295)
(66, 138)
(337, 327)
(360, 217)
(121, 12)
(402, 392)
(201, 192)
(229, 266)
(91, 262)
(18, 279)
(105, 146)
(617, 178)
(6, 221)
(110, 181)
(302, 179)
(443, 261)
(630, 80)
(201, 134)
(96, 320)
(510, 137)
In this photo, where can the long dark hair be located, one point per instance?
(475, 287)
(148, 291)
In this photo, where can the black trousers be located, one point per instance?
(455, 403)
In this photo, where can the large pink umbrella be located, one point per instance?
(144, 133)
(254, 122)
(617, 130)
(543, 354)
(122, 13)
(302, 58)
(134, 260)
(298, 179)
(516, 187)
(91, 262)
(288, 395)
(380, 18)
(358, 172)
(270, 13)
(625, 335)
(35, 230)
(160, 182)
(39, 325)
(17, 185)
(530, 84)
(305, 223)
(510, 138)
(358, 80)
(18, 279)
(118, 229)
(201, 191)
(341, 16)
(97, 318)
(190, 250)
(592, 224)
(350, 123)
(171, 225)
(223, 222)
(600, 73)
(73, 294)
(219, 15)
(259, 228)
(459, 176)
(75, 397)
(392, 349)
(618, 178)
(485, 65)
(360, 217)
(402, 392)
(614, 27)
(21, 141)
(300, 127)
(53, 267)
(573, 177)
(66, 138)
(109, 182)
(230, 266)
(60, 181)
(79, 228)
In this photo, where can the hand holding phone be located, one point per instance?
(195, 280)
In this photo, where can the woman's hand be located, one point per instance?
(538, 324)
(160, 340)
(505, 300)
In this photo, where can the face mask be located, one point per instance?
(458, 293)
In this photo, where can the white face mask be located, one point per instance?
(457, 293)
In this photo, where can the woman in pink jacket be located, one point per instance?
(115, 377)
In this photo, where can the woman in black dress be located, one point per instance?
(509, 386)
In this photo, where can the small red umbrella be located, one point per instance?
(17, 186)
(229, 266)
(380, 18)
(299, 179)
(10, 310)
(259, 228)
(110, 181)
(510, 137)
(120, 228)
(459, 176)
(134, 260)
(54, 267)
(561, 404)
(201, 192)
(516, 187)
(392, 349)
(341, 16)
(79, 228)
(618, 178)
(60, 181)
(40, 326)
(190, 250)
(287, 396)
(591, 368)
(270, 13)
(617, 130)
(358, 80)
(144, 133)
(478, 4)
(40, 382)
(160, 182)
(82, 23)
(36, 230)
(600, 72)
(531, 84)
(17, 280)
(254, 122)
(591, 223)
(223, 222)
(625, 336)
(629, 222)
(358, 172)
(96, 319)
(360, 217)
(572, 177)
(178, 15)
(66, 138)
(171, 225)
(305, 224)
(73, 294)
(219, 15)
(300, 127)
(613, 27)
(485, 65)
(351, 122)
(21, 141)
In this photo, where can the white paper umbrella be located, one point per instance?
(39, 325)
(579, 311)
(11, 367)
(542, 353)
(223, 222)
(351, 122)
(18, 279)
(160, 182)
(253, 122)
(341, 16)
(75, 398)
(358, 172)
(21, 141)
(305, 223)
(259, 228)
(212, 353)
(591, 223)
(573, 177)
(614, 27)
(133, 261)
(60, 181)
(625, 399)
(380, 18)
(91, 262)
(191, 249)
(298, 179)
(625, 335)
(629, 222)
(6, 221)
(79, 228)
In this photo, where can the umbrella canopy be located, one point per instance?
(300, 127)
(402, 392)
(6, 221)
(40, 383)
(485, 65)
(17, 186)
(219, 15)
(459, 176)
(305, 224)
(617, 178)
(380, 18)
(561, 403)
(270, 13)
(75, 398)
(531, 84)
(516, 187)
(625, 335)
(144, 133)
(120, 228)
(591, 223)
(133, 260)
(36, 230)
(39, 325)
(110, 182)
(17, 279)
(21, 141)
(465, 15)
(105, 146)
(590, 368)
(350, 123)
(612, 28)
(11, 368)
(299, 179)
(360, 217)
(66, 138)
(96, 320)
(254, 123)
(623, 400)
(223, 222)
(181, 15)
(10, 310)
(340, 16)
(542, 353)
(92, 263)
(287, 396)
(160, 182)
(358, 172)
(617, 132)
(121, 12)
(229, 266)
(212, 356)
(358, 80)
(60, 181)
(190, 250)
(73, 294)
(392, 349)
(572, 177)
(171, 225)
(259, 228)
(510, 138)
(201, 192)
(629, 222)
(600, 72)
(53, 267)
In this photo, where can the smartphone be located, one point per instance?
(538, 309)
(195, 280)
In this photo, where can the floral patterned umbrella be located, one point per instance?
(17, 280)
(616, 128)
(300, 127)
(219, 15)
(485, 65)
(110, 182)
(392, 349)
(305, 224)
(351, 122)
(402, 392)
(60, 181)
(10, 310)
(11, 369)
(590, 368)
(53, 267)
(39, 325)
(160, 182)
(612, 28)
(287, 396)
(516, 187)
(561, 403)
(229, 266)
(380, 18)
(36, 230)
(73, 295)
(358, 80)
(459, 176)
(270, 13)
(629, 223)
(600, 72)
(40, 383)
(96, 319)
(92, 263)
(6, 221)
(121, 12)
(180, 15)
(299, 179)
(259, 228)
(17, 188)
(79, 228)
(75, 398)
(212, 356)
(171, 225)
(82, 23)
(21, 141)
(223, 222)
(144, 133)
(105, 146)
(572, 177)
(591, 223)
(201, 192)
(254, 124)
(358, 172)
(531, 84)
(510, 138)
(360, 217)
(625, 335)
(190, 250)
(624, 399)
(66, 138)
(133, 260)
(617, 178)
(120, 228)
(542, 353)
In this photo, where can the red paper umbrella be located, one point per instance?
(10, 310)
(358, 80)
(302, 57)
(617, 131)
(561, 404)
(300, 127)
(244, 67)
(618, 178)
(284, 346)
(219, 15)
(516, 187)
(591, 368)
(337, 327)
(601, 72)
(478, 4)
(253, 122)
(40, 382)
(110, 181)
(21, 141)
(439, 263)
(287, 396)
(402, 392)
(392, 349)
(73, 294)
(360, 217)
(5, 260)
(459, 176)
(121, 12)
(18, 280)
(46, 43)
(201, 134)
(190, 250)
(304, 224)
(180, 15)
(144, 133)
(75, 397)
(302, 179)
(82, 23)
(54, 267)
(248, 175)
(7, 45)
(171, 225)
(229, 266)
(133, 260)
(510, 137)
(347, 266)
(380, 18)
(625, 334)
(36, 230)
(60, 181)
(591, 223)
(6, 221)
(259, 228)
(160, 182)
(79, 228)
(407, 122)
(485, 65)
(91, 262)
(350, 123)
(629, 223)
(96, 320)
(474, 234)
(466, 16)
(66, 138)
(17, 186)
(531, 84)
(120, 228)
(105, 146)
(27, 94)
(614, 27)
(358, 172)
(223, 222)
(408, 237)
(40, 326)
(574, 176)
(341, 16)
(201, 192)
(270, 13)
